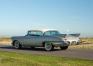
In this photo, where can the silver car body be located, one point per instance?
(38, 40)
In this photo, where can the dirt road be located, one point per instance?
(70, 52)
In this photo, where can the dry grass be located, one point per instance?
(86, 43)
(87, 40)
(83, 46)
(5, 40)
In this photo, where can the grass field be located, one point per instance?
(87, 40)
(18, 59)
(5, 40)
(83, 47)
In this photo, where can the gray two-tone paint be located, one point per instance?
(29, 40)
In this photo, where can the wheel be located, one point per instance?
(77, 43)
(48, 46)
(32, 47)
(64, 48)
(68, 42)
(17, 45)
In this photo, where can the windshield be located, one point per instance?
(35, 33)
(51, 33)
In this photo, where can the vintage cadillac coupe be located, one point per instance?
(38, 38)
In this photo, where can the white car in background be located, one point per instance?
(72, 39)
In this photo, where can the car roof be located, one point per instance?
(35, 30)
(43, 30)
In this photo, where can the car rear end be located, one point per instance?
(57, 41)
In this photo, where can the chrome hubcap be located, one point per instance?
(48, 47)
(16, 44)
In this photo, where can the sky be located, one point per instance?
(66, 16)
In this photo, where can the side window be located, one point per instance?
(53, 33)
(47, 33)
